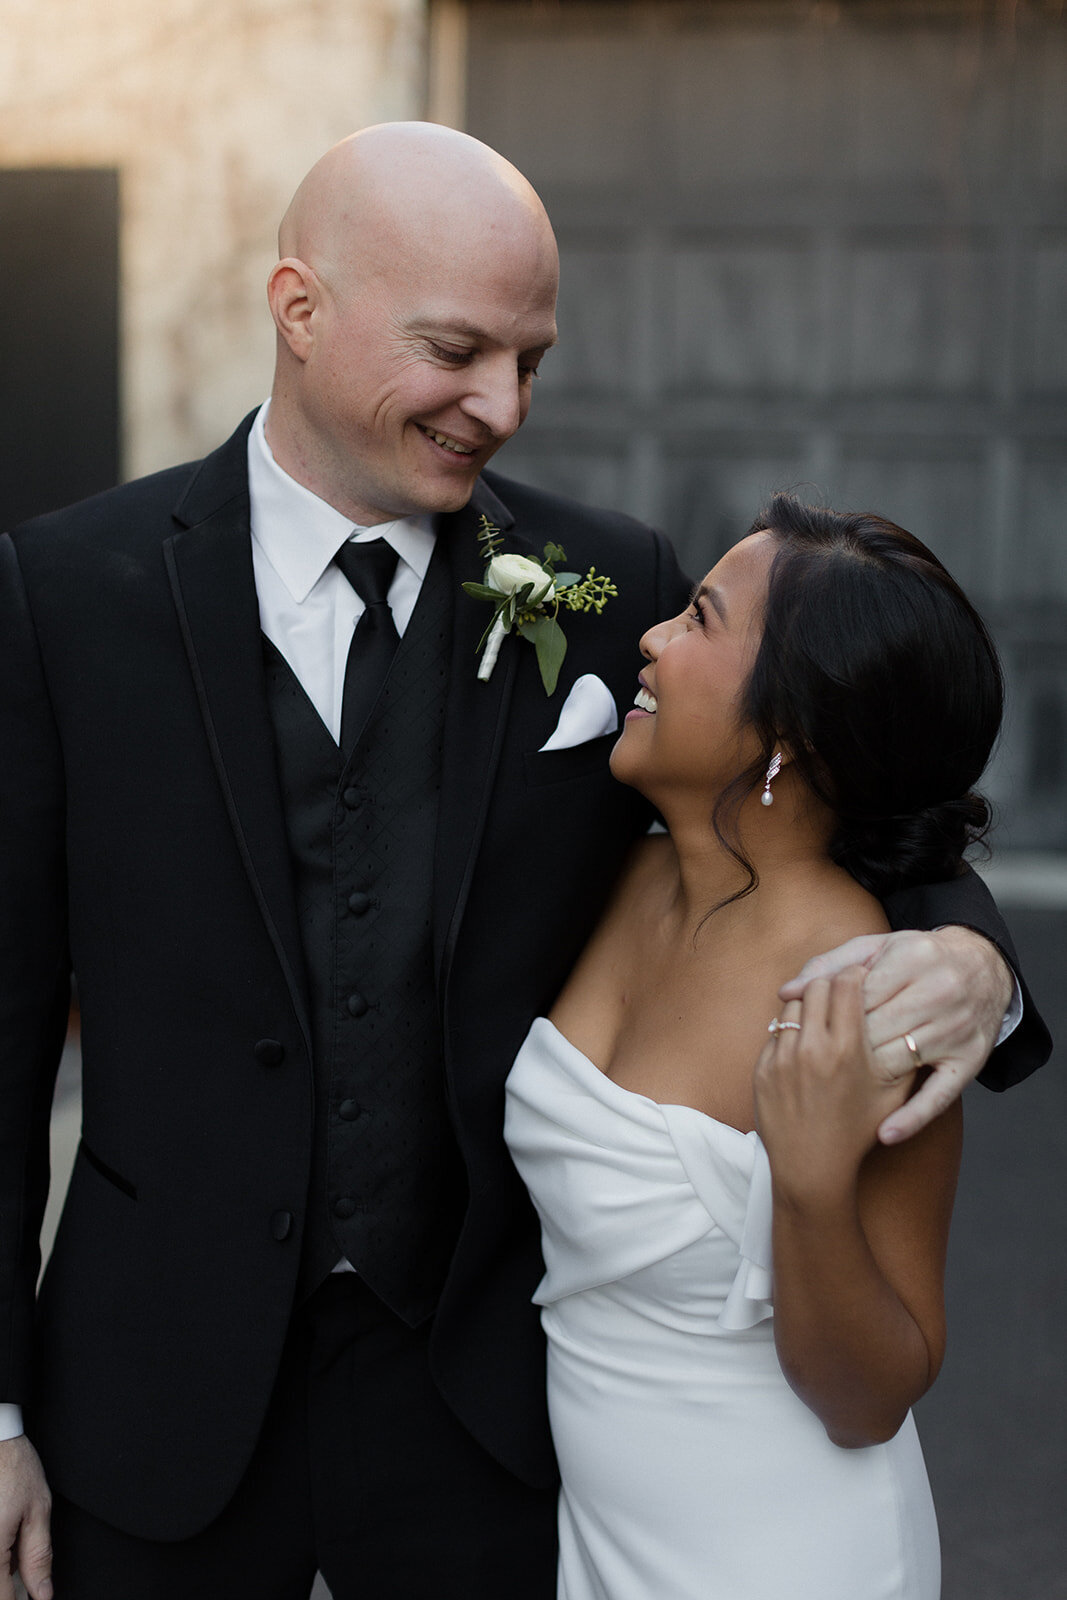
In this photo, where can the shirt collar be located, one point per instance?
(300, 534)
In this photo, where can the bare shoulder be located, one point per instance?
(841, 910)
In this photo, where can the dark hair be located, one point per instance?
(881, 679)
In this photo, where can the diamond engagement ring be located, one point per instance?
(776, 1027)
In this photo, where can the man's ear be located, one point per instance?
(293, 294)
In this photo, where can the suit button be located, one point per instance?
(350, 1110)
(357, 1006)
(344, 1207)
(359, 903)
(352, 798)
(281, 1225)
(269, 1052)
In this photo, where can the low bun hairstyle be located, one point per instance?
(880, 678)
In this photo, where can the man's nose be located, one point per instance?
(662, 633)
(496, 400)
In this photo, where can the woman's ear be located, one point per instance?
(293, 295)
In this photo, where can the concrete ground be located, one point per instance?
(994, 1428)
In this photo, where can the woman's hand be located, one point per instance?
(949, 989)
(819, 1095)
(859, 1231)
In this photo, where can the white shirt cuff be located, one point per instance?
(10, 1421)
(1014, 1014)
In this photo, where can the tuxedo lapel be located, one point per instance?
(209, 564)
(475, 721)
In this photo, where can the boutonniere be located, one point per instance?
(528, 595)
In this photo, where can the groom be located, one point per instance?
(315, 879)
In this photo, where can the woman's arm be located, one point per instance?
(860, 1231)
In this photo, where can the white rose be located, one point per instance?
(511, 573)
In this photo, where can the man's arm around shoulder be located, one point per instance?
(966, 903)
(936, 994)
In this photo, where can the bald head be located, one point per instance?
(414, 298)
(401, 188)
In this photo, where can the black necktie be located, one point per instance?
(369, 568)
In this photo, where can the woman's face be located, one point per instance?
(685, 732)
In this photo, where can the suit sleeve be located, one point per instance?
(967, 902)
(34, 961)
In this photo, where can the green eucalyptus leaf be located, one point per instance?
(566, 580)
(551, 645)
(481, 591)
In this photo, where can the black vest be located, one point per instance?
(387, 1181)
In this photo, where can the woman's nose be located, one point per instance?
(653, 641)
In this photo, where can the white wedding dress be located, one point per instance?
(690, 1469)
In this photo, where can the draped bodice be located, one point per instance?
(623, 1185)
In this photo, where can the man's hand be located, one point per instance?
(949, 990)
(25, 1512)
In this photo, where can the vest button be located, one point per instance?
(350, 1110)
(357, 1006)
(344, 1207)
(359, 903)
(281, 1225)
(269, 1052)
(352, 798)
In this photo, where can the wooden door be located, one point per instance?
(821, 247)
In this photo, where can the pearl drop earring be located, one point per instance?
(773, 770)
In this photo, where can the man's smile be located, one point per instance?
(446, 441)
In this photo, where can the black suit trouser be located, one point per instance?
(361, 1472)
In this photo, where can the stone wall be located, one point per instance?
(211, 110)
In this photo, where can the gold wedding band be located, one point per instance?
(776, 1027)
(913, 1047)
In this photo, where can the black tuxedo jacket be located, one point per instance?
(142, 844)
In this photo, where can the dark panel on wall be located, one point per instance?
(819, 247)
(59, 399)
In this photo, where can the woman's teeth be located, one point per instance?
(645, 701)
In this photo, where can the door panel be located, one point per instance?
(59, 404)
(821, 247)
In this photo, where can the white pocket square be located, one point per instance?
(588, 712)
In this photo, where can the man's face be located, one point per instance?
(422, 370)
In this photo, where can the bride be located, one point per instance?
(743, 1292)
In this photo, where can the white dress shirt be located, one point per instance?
(307, 607)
